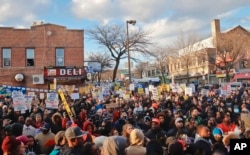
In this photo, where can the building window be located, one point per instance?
(30, 55)
(59, 57)
(153, 72)
(6, 57)
(149, 73)
(158, 71)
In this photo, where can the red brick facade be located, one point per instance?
(44, 39)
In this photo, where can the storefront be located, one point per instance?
(64, 75)
(242, 77)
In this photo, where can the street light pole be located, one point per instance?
(129, 67)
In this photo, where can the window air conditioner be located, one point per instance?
(38, 79)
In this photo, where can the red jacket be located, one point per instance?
(226, 128)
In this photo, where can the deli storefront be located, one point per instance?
(64, 75)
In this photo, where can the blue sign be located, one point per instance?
(139, 85)
(7, 90)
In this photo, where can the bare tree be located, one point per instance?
(140, 68)
(162, 61)
(103, 58)
(113, 37)
(186, 46)
(231, 49)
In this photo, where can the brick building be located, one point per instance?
(35, 57)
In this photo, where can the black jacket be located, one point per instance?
(157, 134)
(72, 151)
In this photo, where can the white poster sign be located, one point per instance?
(146, 91)
(28, 100)
(132, 87)
(188, 91)
(52, 101)
(51, 104)
(18, 101)
(155, 94)
(175, 87)
(41, 95)
(150, 87)
(75, 96)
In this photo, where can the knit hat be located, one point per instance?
(155, 105)
(178, 120)
(59, 137)
(217, 131)
(23, 139)
(156, 120)
(147, 118)
(136, 137)
(10, 143)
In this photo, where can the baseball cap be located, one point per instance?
(74, 132)
(45, 126)
(156, 120)
(147, 118)
(178, 119)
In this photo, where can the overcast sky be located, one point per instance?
(164, 18)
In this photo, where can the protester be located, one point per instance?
(33, 146)
(12, 146)
(74, 136)
(227, 125)
(114, 145)
(28, 129)
(217, 135)
(45, 139)
(156, 133)
(60, 141)
(202, 141)
(136, 143)
(154, 148)
(178, 129)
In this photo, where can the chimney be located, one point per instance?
(215, 27)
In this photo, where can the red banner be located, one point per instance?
(242, 76)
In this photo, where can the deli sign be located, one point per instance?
(64, 71)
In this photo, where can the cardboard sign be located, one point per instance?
(111, 105)
(140, 91)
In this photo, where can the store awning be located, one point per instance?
(242, 76)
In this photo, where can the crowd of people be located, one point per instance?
(176, 124)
